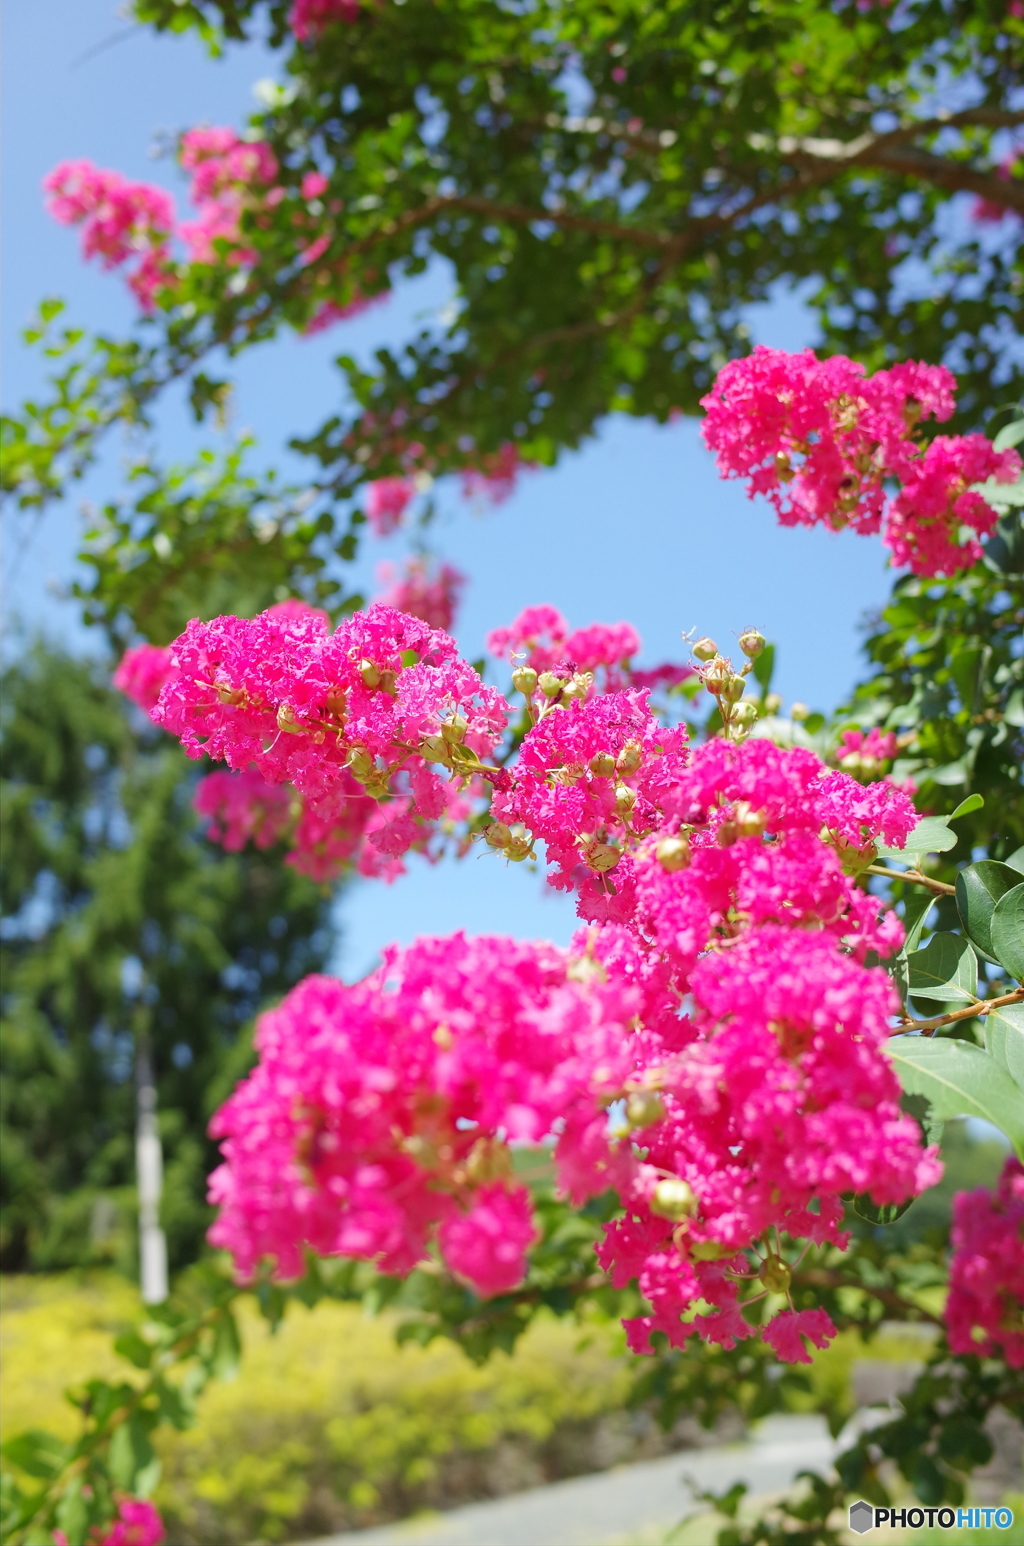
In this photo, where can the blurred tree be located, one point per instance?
(120, 922)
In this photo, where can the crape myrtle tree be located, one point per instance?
(802, 941)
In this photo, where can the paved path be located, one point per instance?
(630, 1504)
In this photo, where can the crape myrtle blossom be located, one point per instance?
(824, 441)
(137, 1524)
(721, 879)
(422, 590)
(308, 18)
(985, 1308)
(541, 640)
(142, 672)
(123, 223)
(375, 1120)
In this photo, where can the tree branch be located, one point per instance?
(940, 887)
(969, 1012)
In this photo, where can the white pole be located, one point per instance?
(149, 1173)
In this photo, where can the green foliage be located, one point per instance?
(120, 922)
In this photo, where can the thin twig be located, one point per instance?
(940, 887)
(970, 1012)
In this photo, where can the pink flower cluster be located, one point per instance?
(494, 475)
(377, 1117)
(387, 500)
(122, 222)
(865, 756)
(142, 673)
(722, 877)
(137, 1524)
(421, 591)
(308, 18)
(985, 1309)
(541, 638)
(821, 440)
(228, 174)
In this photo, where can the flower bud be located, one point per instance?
(749, 822)
(752, 643)
(434, 749)
(601, 857)
(370, 673)
(673, 1199)
(705, 649)
(524, 680)
(744, 714)
(232, 696)
(337, 704)
(629, 758)
(673, 853)
(727, 834)
(286, 721)
(799, 712)
(550, 683)
(453, 730)
(517, 849)
(578, 686)
(603, 765)
(718, 674)
(361, 766)
(498, 835)
(784, 468)
(772, 703)
(775, 1275)
(644, 1108)
(625, 799)
(733, 688)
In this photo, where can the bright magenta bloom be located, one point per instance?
(985, 1309)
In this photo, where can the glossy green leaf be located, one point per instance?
(1010, 435)
(764, 667)
(131, 1453)
(1004, 1039)
(978, 889)
(876, 1213)
(974, 802)
(946, 969)
(1007, 930)
(932, 835)
(1016, 860)
(227, 1346)
(960, 1080)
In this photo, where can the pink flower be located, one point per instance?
(495, 475)
(433, 597)
(387, 500)
(143, 671)
(308, 18)
(821, 439)
(122, 222)
(487, 1245)
(987, 211)
(985, 1309)
(787, 1330)
(313, 184)
(243, 808)
(137, 1524)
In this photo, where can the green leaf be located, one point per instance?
(227, 1347)
(1010, 435)
(946, 969)
(1004, 1038)
(1016, 860)
(930, 836)
(131, 1346)
(960, 1081)
(1007, 930)
(36, 1452)
(73, 1512)
(915, 914)
(974, 802)
(130, 1453)
(978, 889)
(886, 1213)
(764, 666)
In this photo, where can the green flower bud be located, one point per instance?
(673, 853)
(370, 673)
(434, 749)
(772, 703)
(799, 712)
(625, 799)
(453, 730)
(524, 680)
(601, 857)
(784, 468)
(644, 1108)
(732, 689)
(705, 649)
(497, 835)
(629, 758)
(752, 643)
(362, 766)
(603, 765)
(744, 714)
(517, 849)
(286, 721)
(749, 822)
(673, 1199)
(775, 1275)
(550, 683)
(718, 674)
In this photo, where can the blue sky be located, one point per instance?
(636, 526)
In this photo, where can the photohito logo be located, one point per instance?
(865, 1517)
